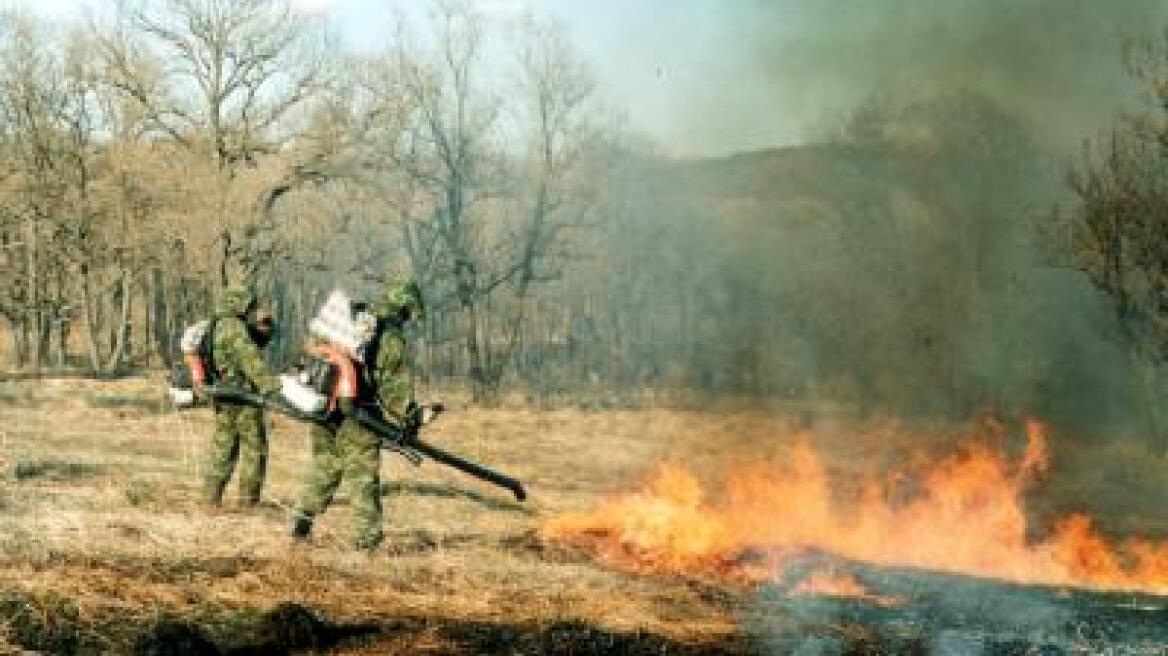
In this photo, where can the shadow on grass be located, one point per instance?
(446, 491)
(54, 625)
(286, 629)
(293, 628)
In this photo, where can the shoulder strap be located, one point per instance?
(209, 348)
(368, 385)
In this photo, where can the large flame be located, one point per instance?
(963, 514)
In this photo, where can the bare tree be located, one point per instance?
(502, 174)
(1115, 230)
(224, 79)
(454, 120)
(555, 88)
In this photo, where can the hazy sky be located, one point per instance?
(715, 76)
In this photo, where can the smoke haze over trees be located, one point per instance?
(890, 261)
(711, 78)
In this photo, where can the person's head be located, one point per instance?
(236, 300)
(400, 302)
(260, 325)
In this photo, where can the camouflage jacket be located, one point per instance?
(237, 359)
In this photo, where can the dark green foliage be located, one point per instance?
(53, 470)
(46, 624)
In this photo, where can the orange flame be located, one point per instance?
(829, 584)
(963, 514)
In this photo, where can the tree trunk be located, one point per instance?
(118, 354)
(278, 351)
(1151, 385)
(60, 335)
(1150, 379)
(149, 341)
(45, 338)
(224, 254)
(19, 354)
(474, 354)
(159, 325)
(33, 324)
(90, 321)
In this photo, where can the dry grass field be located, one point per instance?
(105, 549)
(102, 537)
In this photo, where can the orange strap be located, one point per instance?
(346, 383)
(195, 364)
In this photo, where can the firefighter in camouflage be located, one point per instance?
(240, 330)
(345, 449)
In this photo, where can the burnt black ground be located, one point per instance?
(947, 614)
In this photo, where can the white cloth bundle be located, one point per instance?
(193, 336)
(182, 398)
(301, 395)
(335, 323)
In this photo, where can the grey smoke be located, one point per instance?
(759, 73)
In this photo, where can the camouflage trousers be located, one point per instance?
(239, 436)
(351, 453)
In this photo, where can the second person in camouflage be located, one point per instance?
(345, 449)
(239, 331)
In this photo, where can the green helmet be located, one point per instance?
(398, 297)
(234, 301)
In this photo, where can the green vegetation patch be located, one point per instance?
(45, 623)
(53, 470)
(151, 404)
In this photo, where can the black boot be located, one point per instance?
(301, 527)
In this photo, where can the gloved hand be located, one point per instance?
(420, 415)
(200, 393)
(414, 416)
(431, 410)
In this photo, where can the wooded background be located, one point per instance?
(906, 258)
(152, 156)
